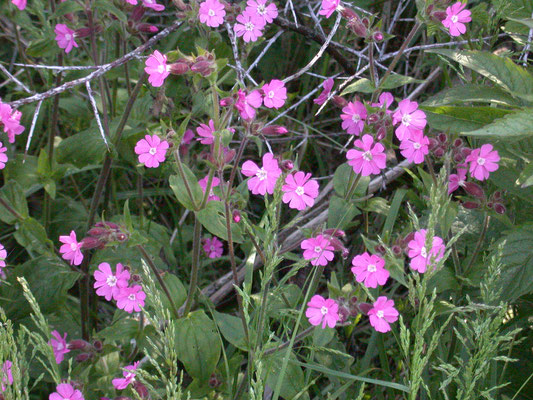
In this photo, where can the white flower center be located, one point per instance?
(406, 120)
(461, 182)
(152, 150)
(367, 156)
(68, 36)
(261, 9)
(324, 310)
(111, 281)
(161, 68)
(211, 13)
(416, 145)
(212, 248)
(371, 268)
(423, 252)
(356, 118)
(59, 346)
(261, 174)
(249, 26)
(300, 190)
(73, 246)
(380, 314)
(271, 94)
(131, 297)
(455, 18)
(318, 249)
(481, 161)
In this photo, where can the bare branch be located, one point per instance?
(32, 127)
(22, 85)
(96, 113)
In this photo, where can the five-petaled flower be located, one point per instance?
(318, 250)
(260, 7)
(456, 17)
(131, 299)
(275, 94)
(410, 118)
(65, 391)
(321, 311)
(65, 37)
(214, 183)
(457, 180)
(299, 190)
(129, 377)
(21, 4)
(368, 158)
(382, 314)
(212, 13)
(250, 26)
(420, 256)
(328, 7)
(151, 151)
(206, 133)
(153, 5)
(109, 284)
(263, 179)
(71, 249)
(157, 68)
(327, 85)
(483, 161)
(247, 103)
(213, 247)
(59, 345)
(385, 101)
(370, 269)
(415, 147)
(353, 119)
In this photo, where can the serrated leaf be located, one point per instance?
(515, 125)
(461, 119)
(365, 85)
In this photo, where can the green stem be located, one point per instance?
(351, 191)
(194, 267)
(479, 243)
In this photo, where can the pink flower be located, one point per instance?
(420, 256)
(456, 17)
(415, 147)
(382, 314)
(65, 391)
(300, 191)
(71, 249)
(212, 13)
(3, 156)
(322, 311)
(318, 249)
(59, 345)
(6, 375)
(65, 37)
(188, 136)
(132, 2)
(259, 7)
(457, 180)
(214, 183)
(264, 178)
(157, 68)
(153, 5)
(129, 377)
(213, 247)
(411, 119)
(327, 85)
(275, 94)
(3, 256)
(151, 151)
(247, 103)
(483, 161)
(11, 121)
(353, 119)
(370, 159)
(385, 100)
(21, 4)
(250, 26)
(206, 133)
(370, 270)
(329, 7)
(131, 298)
(108, 284)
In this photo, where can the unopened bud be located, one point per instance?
(372, 118)
(474, 189)
(379, 249)
(365, 308)
(274, 130)
(83, 32)
(439, 152)
(442, 137)
(204, 68)
(432, 144)
(497, 196)
(439, 16)
(377, 36)
(348, 13)
(98, 345)
(366, 22)
(141, 390)
(180, 5)
(343, 313)
(287, 165)
(91, 243)
(226, 102)
(397, 250)
(236, 216)
(136, 278)
(465, 151)
(147, 28)
(499, 208)
(381, 134)
(458, 157)
(78, 344)
(178, 68)
(335, 233)
(471, 205)
(458, 143)
(339, 101)
(137, 13)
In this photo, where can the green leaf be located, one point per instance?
(461, 119)
(525, 21)
(177, 291)
(67, 7)
(365, 85)
(472, 93)
(197, 344)
(515, 125)
(15, 199)
(501, 70)
(232, 329)
(212, 217)
(526, 177)
(43, 47)
(341, 212)
(342, 181)
(177, 185)
(293, 378)
(82, 149)
(123, 329)
(109, 7)
(32, 235)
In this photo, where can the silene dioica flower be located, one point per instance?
(420, 256)
(382, 314)
(151, 151)
(370, 270)
(318, 250)
(109, 284)
(129, 377)
(483, 161)
(59, 345)
(157, 68)
(368, 158)
(212, 13)
(263, 179)
(65, 391)
(71, 249)
(300, 191)
(322, 312)
(266, 11)
(456, 17)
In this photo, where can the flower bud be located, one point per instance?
(180, 67)
(439, 16)
(343, 313)
(78, 344)
(377, 36)
(137, 13)
(98, 345)
(136, 278)
(499, 208)
(433, 143)
(204, 68)
(226, 102)
(397, 250)
(147, 28)
(474, 189)
(458, 157)
(497, 196)
(365, 308)
(471, 205)
(287, 165)
(91, 243)
(372, 118)
(458, 143)
(439, 152)
(141, 390)
(379, 249)
(180, 5)
(274, 130)
(236, 216)
(83, 357)
(83, 32)
(348, 13)
(465, 151)
(335, 233)
(337, 244)
(442, 137)
(339, 101)
(381, 134)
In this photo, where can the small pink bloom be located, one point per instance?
(151, 151)
(385, 100)
(59, 345)
(275, 94)
(411, 119)
(214, 183)
(108, 284)
(327, 85)
(483, 161)
(329, 7)
(157, 68)
(457, 180)
(300, 191)
(153, 5)
(370, 269)
(422, 257)
(318, 249)
(382, 314)
(21, 4)
(247, 103)
(206, 133)
(415, 147)
(65, 391)
(250, 26)
(267, 12)
(11, 120)
(213, 247)
(131, 298)
(263, 179)
(322, 311)
(71, 249)
(368, 158)
(6, 375)
(188, 136)
(132, 2)
(212, 13)
(456, 17)
(3, 256)
(353, 119)
(65, 37)
(129, 377)
(3, 156)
